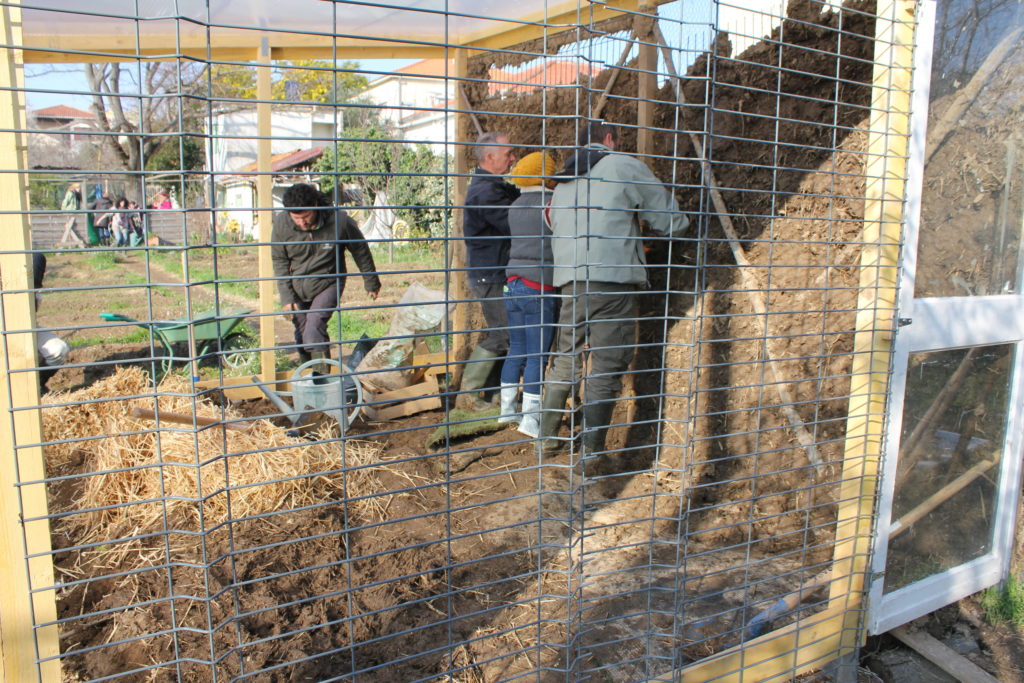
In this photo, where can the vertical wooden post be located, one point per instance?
(460, 322)
(647, 79)
(885, 171)
(265, 213)
(26, 564)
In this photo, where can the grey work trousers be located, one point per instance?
(602, 316)
(310, 320)
(492, 300)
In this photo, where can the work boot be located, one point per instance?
(474, 379)
(551, 420)
(530, 424)
(596, 462)
(509, 393)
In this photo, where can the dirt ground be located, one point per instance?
(540, 572)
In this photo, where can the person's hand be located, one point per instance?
(290, 307)
(374, 294)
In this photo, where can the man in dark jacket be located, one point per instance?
(308, 252)
(485, 228)
(101, 206)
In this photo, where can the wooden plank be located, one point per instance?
(413, 391)
(455, 277)
(241, 388)
(265, 200)
(647, 80)
(957, 666)
(408, 408)
(26, 594)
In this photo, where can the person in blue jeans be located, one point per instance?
(529, 297)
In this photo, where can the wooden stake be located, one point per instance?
(939, 497)
(182, 418)
(265, 203)
(603, 99)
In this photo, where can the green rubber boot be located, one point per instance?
(596, 462)
(474, 379)
(552, 405)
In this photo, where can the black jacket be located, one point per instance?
(485, 226)
(306, 262)
(100, 205)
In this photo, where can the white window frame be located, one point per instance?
(933, 325)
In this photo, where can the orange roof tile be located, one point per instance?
(62, 111)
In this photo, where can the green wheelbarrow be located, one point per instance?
(212, 334)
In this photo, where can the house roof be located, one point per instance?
(286, 160)
(428, 67)
(550, 73)
(62, 111)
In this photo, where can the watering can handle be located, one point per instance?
(316, 362)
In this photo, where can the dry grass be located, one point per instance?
(131, 475)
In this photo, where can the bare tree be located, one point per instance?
(136, 123)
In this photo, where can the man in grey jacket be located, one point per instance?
(308, 252)
(597, 209)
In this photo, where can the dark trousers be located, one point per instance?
(310, 321)
(491, 299)
(601, 316)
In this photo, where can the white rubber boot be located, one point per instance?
(530, 424)
(509, 392)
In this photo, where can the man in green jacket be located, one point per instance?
(601, 200)
(308, 252)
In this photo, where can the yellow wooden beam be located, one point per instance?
(885, 170)
(457, 284)
(554, 20)
(21, 609)
(92, 49)
(265, 215)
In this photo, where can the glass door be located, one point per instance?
(952, 462)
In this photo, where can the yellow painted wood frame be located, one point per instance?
(27, 598)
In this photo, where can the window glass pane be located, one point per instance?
(973, 193)
(954, 424)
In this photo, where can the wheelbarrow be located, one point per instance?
(339, 396)
(212, 333)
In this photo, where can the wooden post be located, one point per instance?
(647, 64)
(27, 563)
(885, 171)
(265, 204)
(460, 319)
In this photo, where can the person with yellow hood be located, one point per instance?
(530, 299)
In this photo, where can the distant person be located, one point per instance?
(136, 227)
(72, 204)
(119, 223)
(161, 201)
(308, 252)
(102, 216)
(53, 351)
(602, 201)
(530, 298)
(485, 230)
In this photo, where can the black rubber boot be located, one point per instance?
(595, 427)
(474, 379)
(552, 405)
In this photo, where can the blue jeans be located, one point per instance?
(531, 327)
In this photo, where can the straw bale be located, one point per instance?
(130, 474)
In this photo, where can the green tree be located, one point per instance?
(412, 177)
(301, 80)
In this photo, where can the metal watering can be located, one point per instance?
(339, 396)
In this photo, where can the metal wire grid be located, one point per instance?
(727, 517)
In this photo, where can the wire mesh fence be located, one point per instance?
(611, 444)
